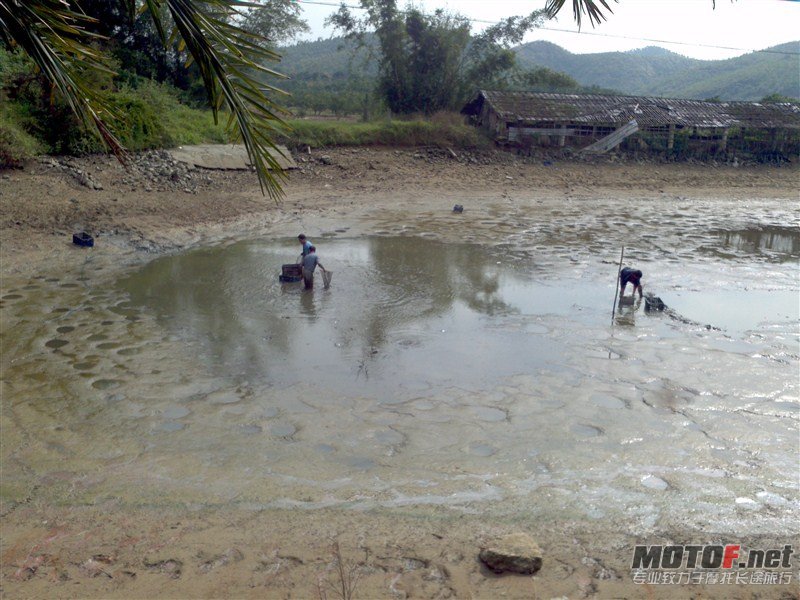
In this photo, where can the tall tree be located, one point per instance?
(430, 62)
(275, 21)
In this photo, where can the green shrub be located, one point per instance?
(16, 145)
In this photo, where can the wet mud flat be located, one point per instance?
(194, 419)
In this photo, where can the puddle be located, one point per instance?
(403, 316)
(777, 243)
(397, 307)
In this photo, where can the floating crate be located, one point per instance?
(291, 273)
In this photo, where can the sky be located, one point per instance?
(693, 28)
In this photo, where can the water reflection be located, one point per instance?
(398, 307)
(777, 240)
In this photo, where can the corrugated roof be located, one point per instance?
(648, 112)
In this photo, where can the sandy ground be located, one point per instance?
(114, 551)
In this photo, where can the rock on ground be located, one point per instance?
(514, 553)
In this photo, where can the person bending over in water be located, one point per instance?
(310, 263)
(634, 277)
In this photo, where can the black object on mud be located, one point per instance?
(82, 239)
(458, 208)
(653, 303)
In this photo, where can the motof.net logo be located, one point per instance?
(729, 556)
(711, 564)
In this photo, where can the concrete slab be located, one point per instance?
(226, 156)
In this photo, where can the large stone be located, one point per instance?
(514, 553)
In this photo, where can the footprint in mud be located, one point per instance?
(224, 397)
(106, 384)
(230, 396)
(84, 366)
(69, 285)
(586, 431)
(12, 296)
(176, 412)
(283, 430)
(97, 337)
(483, 450)
(60, 309)
(270, 412)
(170, 426)
(128, 351)
(56, 344)
(604, 401)
(489, 414)
(250, 429)
(108, 345)
(65, 329)
(390, 437)
(362, 463)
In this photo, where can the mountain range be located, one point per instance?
(650, 71)
(655, 71)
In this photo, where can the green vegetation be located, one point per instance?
(443, 130)
(154, 116)
(77, 47)
(150, 116)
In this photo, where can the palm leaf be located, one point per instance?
(228, 58)
(593, 9)
(55, 38)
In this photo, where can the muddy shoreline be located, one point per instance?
(58, 543)
(42, 206)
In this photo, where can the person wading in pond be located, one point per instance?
(306, 246)
(310, 263)
(632, 276)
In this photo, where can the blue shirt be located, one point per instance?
(628, 275)
(306, 245)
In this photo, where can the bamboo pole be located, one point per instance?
(616, 285)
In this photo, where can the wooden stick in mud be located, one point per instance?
(616, 285)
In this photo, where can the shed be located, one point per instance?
(526, 119)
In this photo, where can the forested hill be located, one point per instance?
(658, 72)
(330, 58)
(647, 72)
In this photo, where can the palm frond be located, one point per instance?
(228, 58)
(56, 39)
(593, 9)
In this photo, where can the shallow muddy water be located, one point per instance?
(486, 379)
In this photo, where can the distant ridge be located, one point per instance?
(654, 71)
(650, 71)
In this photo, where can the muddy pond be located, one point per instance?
(497, 379)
